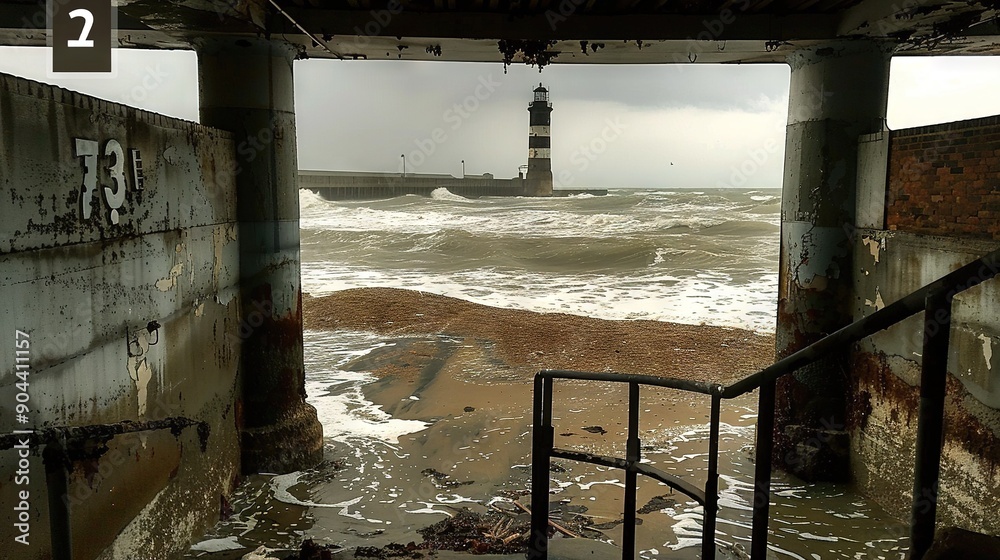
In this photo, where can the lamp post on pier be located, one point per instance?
(404, 164)
(463, 169)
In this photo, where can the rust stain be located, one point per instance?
(274, 379)
(873, 381)
(968, 431)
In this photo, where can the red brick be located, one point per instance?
(942, 181)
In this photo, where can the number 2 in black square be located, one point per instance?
(81, 35)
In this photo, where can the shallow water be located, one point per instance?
(379, 491)
(686, 256)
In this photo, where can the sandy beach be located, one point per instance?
(465, 369)
(527, 341)
(426, 403)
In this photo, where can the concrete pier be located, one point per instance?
(247, 88)
(360, 185)
(153, 263)
(838, 92)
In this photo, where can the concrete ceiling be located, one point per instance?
(549, 31)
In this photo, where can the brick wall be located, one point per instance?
(945, 179)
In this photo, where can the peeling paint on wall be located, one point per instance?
(987, 350)
(222, 235)
(874, 246)
(168, 283)
(139, 370)
(878, 303)
(969, 465)
(814, 255)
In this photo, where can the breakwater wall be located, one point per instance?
(367, 186)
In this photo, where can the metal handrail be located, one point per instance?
(543, 450)
(950, 284)
(936, 301)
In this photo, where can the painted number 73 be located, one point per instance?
(114, 195)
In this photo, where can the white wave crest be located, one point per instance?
(442, 193)
(309, 200)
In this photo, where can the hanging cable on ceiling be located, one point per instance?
(314, 38)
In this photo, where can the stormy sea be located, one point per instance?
(684, 256)
(421, 428)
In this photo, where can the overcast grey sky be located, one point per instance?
(612, 126)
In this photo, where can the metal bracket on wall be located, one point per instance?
(151, 327)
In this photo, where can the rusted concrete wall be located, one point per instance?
(838, 91)
(84, 288)
(885, 372)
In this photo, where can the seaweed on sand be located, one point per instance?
(468, 531)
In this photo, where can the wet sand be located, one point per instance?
(466, 369)
(526, 341)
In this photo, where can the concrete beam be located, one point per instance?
(838, 92)
(728, 32)
(246, 87)
(728, 24)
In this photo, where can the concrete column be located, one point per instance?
(838, 92)
(246, 88)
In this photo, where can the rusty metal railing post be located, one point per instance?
(632, 458)
(762, 472)
(541, 447)
(711, 508)
(930, 424)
